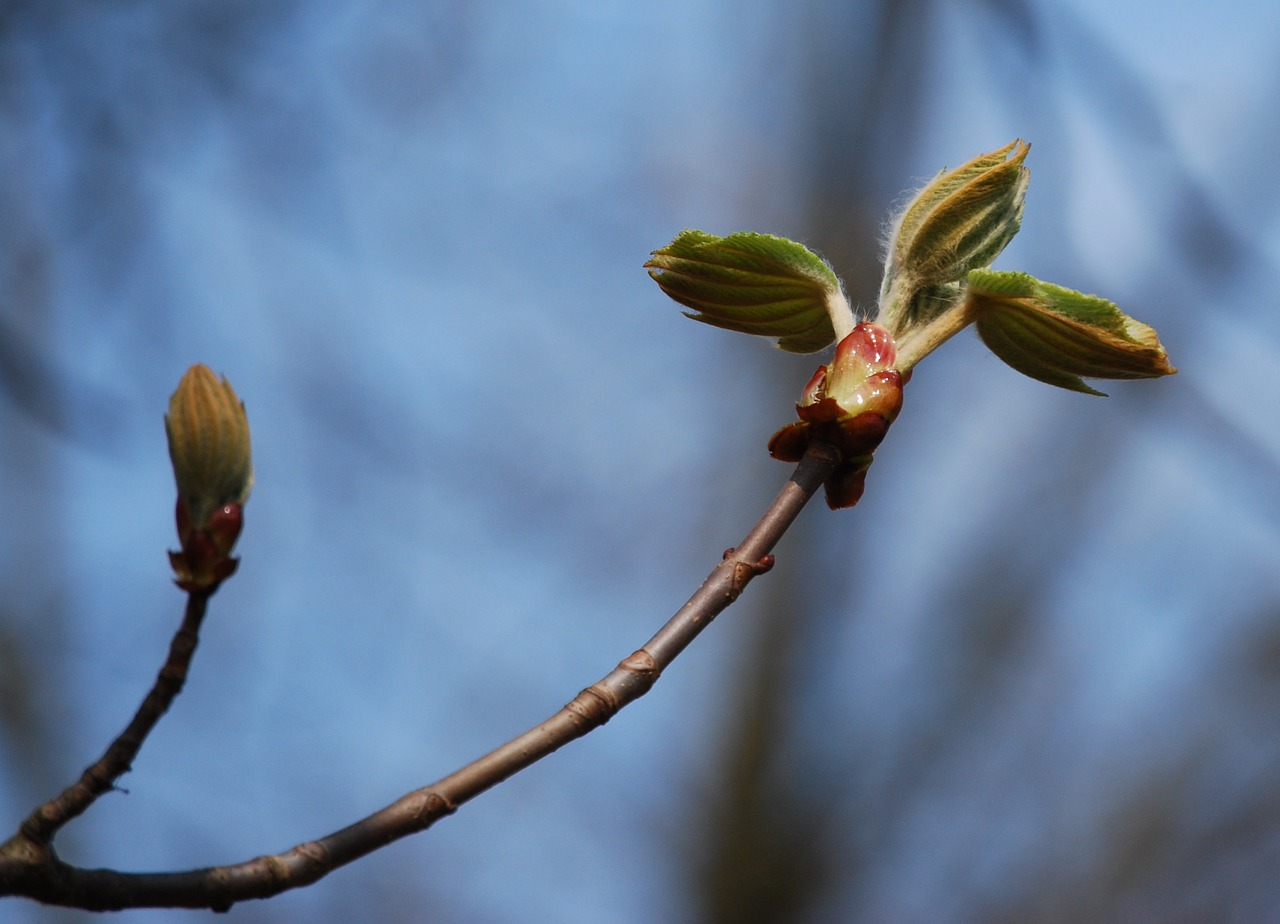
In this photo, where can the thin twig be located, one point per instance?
(41, 826)
(42, 876)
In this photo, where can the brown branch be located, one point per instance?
(28, 866)
(45, 822)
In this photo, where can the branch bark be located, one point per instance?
(29, 867)
(41, 825)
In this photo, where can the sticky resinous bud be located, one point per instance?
(849, 404)
(208, 435)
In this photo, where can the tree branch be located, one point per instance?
(29, 867)
(45, 822)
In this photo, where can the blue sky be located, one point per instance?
(492, 458)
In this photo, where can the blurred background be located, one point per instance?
(1033, 676)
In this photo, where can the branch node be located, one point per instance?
(594, 706)
(438, 806)
(28, 848)
(640, 662)
(744, 571)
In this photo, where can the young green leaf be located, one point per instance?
(755, 284)
(958, 222)
(1057, 335)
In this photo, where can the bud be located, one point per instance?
(849, 403)
(208, 435)
(959, 222)
(936, 283)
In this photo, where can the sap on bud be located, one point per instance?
(849, 404)
(860, 378)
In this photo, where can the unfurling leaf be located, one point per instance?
(1058, 335)
(958, 222)
(755, 284)
(936, 283)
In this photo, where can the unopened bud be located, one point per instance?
(208, 435)
(850, 404)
